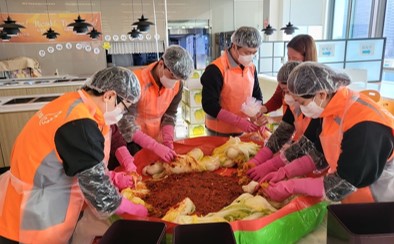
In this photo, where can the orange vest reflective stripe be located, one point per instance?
(153, 103)
(237, 87)
(338, 118)
(48, 201)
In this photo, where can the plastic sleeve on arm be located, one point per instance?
(280, 136)
(318, 159)
(127, 125)
(336, 188)
(300, 148)
(98, 190)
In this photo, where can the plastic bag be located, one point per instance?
(251, 107)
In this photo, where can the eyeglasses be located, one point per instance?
(172, 74)
(119, 100)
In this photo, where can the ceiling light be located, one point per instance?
(143, 24)
(289, 28)
(10, 27)
(134, 33)
(4, 36)
(80, 26)
(51, 34)
(268, 30)
(94, 34)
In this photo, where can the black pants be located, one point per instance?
(4, 240)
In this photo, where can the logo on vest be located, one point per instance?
(47, 118)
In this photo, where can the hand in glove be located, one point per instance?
(167, 133)
(298, 167)
(237, 121)
(262, 156)
(121, 180)
(125, 159)
(145, 141)
(130, 208)
(262, 170)
(306, 186)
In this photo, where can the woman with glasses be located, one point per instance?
(58, 163)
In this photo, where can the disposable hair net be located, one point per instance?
(309, 78)
(246, 36)
(119, 79)
(179, 61)
(284, 71)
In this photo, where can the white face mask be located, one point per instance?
(167, 82)
(312, 110)
(289, 100)
(245, 60)
(113, 116)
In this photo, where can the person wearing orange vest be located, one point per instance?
(228, 81)
(357, 138)
(294, 127)
(58, 162)
(161, 93)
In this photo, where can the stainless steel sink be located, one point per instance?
(19, 100)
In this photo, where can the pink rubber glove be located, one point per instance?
(145, 141)
(237, 121)
(273, 164)
(130, 208)
(262, 156)
(167, 132)
(125, 159)
(121, 180)
(313, 187)
(298, 167)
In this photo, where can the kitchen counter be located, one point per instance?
(48, 81)
(25, 103)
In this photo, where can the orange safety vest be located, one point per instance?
(338, 118)
(301, 122)
(153, 103)
(237, 87)
(40, 203)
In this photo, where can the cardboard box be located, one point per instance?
(192, 97)
(361, 223)
(193, 115)
(192, 83)
(195, 130)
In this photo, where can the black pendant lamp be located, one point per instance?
(143, 25)
(269, 30)
(4, 36)
(289, 28)
(94, 34)
(80, 26)
(10, 27)
(51, 34)
(134, 33)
